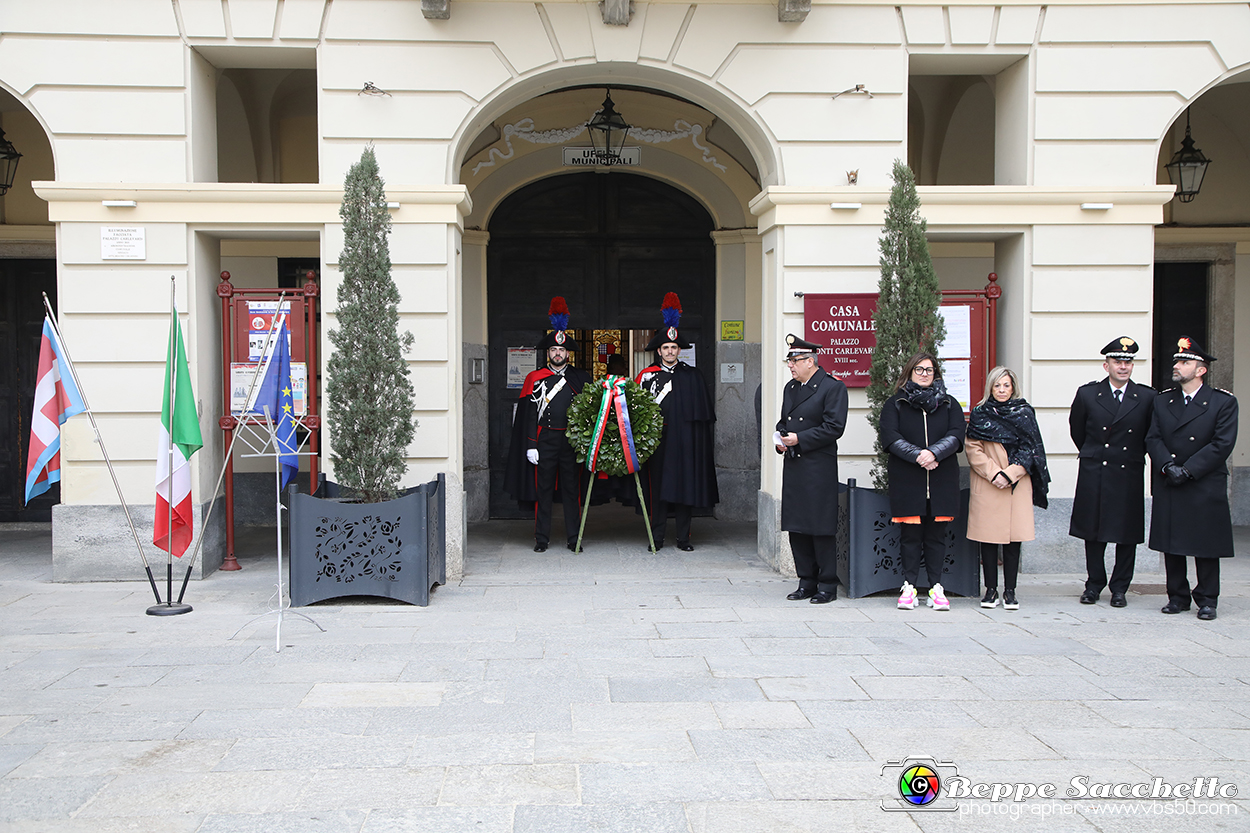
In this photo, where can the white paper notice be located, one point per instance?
(241, 376)
(117, 243)
(958, 341)
(957, 374)
(520, 364)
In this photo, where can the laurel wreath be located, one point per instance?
(645, 417)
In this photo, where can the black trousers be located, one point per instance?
(1011, 565)
(1096, 567)
(815, 560)
(557, 464)
(1206, 591)
(682, 513)
(925, 540)
(657, 507)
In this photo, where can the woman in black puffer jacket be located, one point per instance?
(922, 427)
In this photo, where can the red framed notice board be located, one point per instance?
(843, 327)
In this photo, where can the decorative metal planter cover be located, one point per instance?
(396, 550)
(868, 558)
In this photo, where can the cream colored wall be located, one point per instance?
(1097, 86)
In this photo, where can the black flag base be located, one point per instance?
(169, 609)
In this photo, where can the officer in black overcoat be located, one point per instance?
(681, 473)
(1192, 434)
(813, 417)
(1108, 422)
(541, 460)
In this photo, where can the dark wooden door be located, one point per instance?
(612, 245)
(21, 323)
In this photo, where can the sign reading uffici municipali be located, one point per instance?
(590, 158)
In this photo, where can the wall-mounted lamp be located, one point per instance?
(392, 206)
(118, 203)
(8, 164)
(846, 206)
(1188, 167)
(1097, 206)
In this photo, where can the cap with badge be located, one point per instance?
(1121, 348)
(670, 309)
(558, 315)
(1188, 349)
(797, 348)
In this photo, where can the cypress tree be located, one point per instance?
(907, 318)
(370, 397)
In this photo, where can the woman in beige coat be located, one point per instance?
(1008, 478)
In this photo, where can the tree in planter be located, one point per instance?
(907, 318)
(370, 397)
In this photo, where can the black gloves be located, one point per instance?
(1177, 475)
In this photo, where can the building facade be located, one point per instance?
(765, 134)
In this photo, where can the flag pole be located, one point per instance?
(100, 442)
(234, 436)
(171, 367)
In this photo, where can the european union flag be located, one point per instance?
(275, 394)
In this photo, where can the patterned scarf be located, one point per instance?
(1014, 424)
(925, 399)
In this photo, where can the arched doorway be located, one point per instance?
(27, 271)
(612, 245)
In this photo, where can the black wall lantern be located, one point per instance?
(8, 164)
(608, 131)
(1188, 167)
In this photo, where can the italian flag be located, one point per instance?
(180, 425)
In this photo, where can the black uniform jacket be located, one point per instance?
(683, 468)
(519, 481)
(1111, 481)
(816, 413)
(911, 487)
(1192, 518)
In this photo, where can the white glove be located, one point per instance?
(532, 456)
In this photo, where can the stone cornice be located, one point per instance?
(233, 203)
(945, 205)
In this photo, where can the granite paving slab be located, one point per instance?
(608, 691)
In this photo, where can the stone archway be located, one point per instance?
(612, 246)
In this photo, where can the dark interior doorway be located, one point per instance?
(612, 245)
(1181, 308)
(22, 283)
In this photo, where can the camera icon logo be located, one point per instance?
(915, 783)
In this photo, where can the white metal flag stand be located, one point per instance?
(266, 444)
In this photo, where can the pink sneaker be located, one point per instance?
(937, 598)
(907, 599)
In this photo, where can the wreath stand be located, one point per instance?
(641, 502)
(598, 435)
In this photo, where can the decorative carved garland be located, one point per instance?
(524, 129)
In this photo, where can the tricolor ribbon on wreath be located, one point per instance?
(613, 399)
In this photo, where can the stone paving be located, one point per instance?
(613, 690)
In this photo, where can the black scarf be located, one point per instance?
(925, 399)
(1013, 424)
